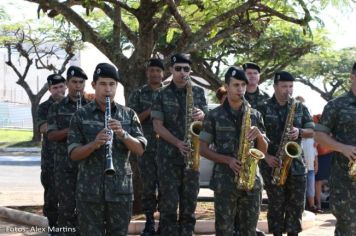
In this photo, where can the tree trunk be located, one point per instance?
(36, 131)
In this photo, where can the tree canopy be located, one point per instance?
(215, 32)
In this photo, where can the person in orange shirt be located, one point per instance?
(324, 163)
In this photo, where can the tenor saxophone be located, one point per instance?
(287, 151)
(192, 130)
(247, 155)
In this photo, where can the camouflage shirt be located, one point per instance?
(274, 116)
(222, 127)
(257, 98)
(169, 107)
(92, 183)
(47, 151)
(59, 116)
(339, 119)
(141, 100)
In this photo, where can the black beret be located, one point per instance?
(251, 65)
(106, 70)
(75, 71)
(180, 58)
(155, 62)
(283, 76)
(238, 74)
(55, 79)
(354, 66)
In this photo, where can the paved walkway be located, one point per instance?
(20, 186)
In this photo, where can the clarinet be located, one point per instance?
(79, 100)
(109, 167)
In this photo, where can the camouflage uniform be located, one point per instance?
(141, 100)
(285, 203)
(257, 98)
(339, 119)
(222, 128)
(65, 170)
(103, 198)
(50, 206)
(177, 184)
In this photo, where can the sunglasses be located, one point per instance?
(179, 68)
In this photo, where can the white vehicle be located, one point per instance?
(206, 166)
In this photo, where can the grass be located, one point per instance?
(16, 138)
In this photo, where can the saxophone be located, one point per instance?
(192, 130)
(287, 151)
(352, 169)
(247, 155)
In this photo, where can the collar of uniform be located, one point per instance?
(226, 104)
(94, 106)
(146, 87)
(274, 100)
(66, 99)
(175, 89)
(51, 99)
(254, 93)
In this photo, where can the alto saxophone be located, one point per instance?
(287, 151)
(192, 130)
(247, 155)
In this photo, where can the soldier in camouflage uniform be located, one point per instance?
(254, 95)
(285, 203)
(178, 185)
(339, 120)
(65, 170)
(57, 88)
(222, 128)
(104, 202)
(141, 101)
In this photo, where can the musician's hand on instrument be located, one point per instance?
(101, 138)
(293, 133)
(116, 127)
(272, 161)
(349, 151)
(183, 148)
(197, 114)
(253, 133)
(235, 165)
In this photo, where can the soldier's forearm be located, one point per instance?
(164, 133)
(134, 145)
(144, 115)
(307, 133)
(206, 152)
(325, 139)
(44, 128)
(262, 144)
(58, 135)
(82, 152)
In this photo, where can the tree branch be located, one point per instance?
(87, 31)
(263, 8)
(187, 31)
